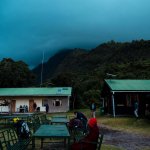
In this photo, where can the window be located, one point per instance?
(57, 102)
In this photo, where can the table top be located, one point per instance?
(59, 120)
(14, 116)
(59, 116)
(52, 131)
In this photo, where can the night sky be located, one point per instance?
(29, 27)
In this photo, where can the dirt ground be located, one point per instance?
(127, 141)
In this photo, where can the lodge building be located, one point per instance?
(119, 96)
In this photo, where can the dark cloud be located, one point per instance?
(29, 27)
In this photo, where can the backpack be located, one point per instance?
(22, 129)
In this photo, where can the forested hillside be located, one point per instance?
(15, 74)
(85, 70)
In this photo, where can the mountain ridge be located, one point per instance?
(102, 58)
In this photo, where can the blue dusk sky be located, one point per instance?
(29, 27)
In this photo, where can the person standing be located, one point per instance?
(93, 109)
(47, 108)
(20, 108)
(34, 106)
(136, 106)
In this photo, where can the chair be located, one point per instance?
(98, 143)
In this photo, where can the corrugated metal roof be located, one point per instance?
(53, 91)
(128, 85)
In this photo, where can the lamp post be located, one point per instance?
(42, 70)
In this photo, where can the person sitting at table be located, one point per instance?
(92, 136)
(82, 117)
(26, 108)
(75, 123)
(20, 108)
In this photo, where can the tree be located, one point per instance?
(15, 74)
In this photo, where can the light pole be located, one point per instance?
(42, 70)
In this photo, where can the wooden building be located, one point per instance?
(120, 95)
(57, 98)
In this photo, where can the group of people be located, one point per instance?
(23, 109)
(35, 108)
(91, 128)
(80, 119)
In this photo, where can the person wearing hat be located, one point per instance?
(92, 136)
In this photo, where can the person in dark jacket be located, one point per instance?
(92, 136)
(82, 117)
(47, 108)
(34, 106)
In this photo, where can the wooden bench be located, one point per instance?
(10, 141)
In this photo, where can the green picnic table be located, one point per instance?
(15, 116)
(8, 118)
(59, 120)
(59, 116)
(52, 131)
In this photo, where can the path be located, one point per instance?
(127, 141)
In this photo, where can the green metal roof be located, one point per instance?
(56, 91)
(128, 85)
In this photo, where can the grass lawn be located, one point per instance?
(128, 124)
(109, 147)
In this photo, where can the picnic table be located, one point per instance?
(55, 120)
(15, 115)
(8, 118)
(52, 131)
(59, 116)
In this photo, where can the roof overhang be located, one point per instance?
(30, 95)
(129, 91)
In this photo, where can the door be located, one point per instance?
(13, 105)
(31, 101)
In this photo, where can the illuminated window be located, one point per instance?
(57, 102)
